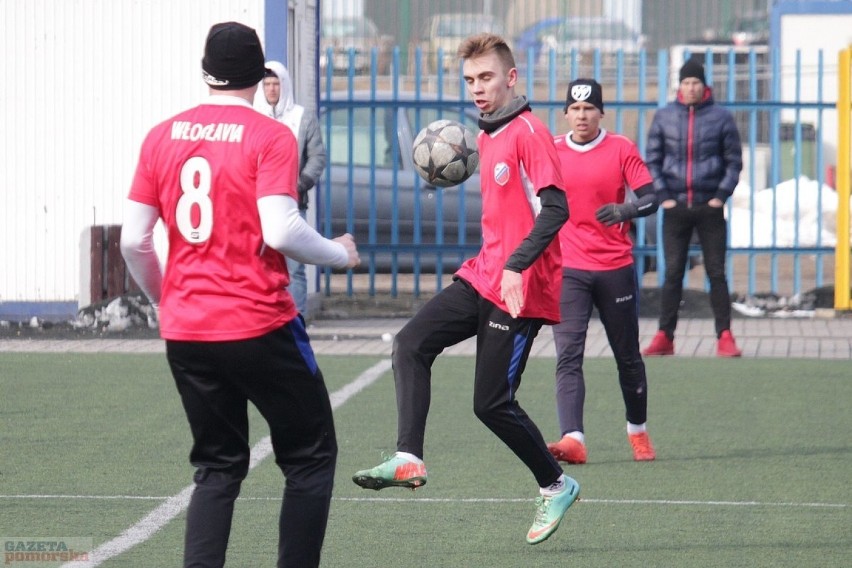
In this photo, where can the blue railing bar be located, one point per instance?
(820, 167)
(448, 104)
(731, 91)
(325, 212)
(694, 249)
(643, 78)
(350, 190)
(619, 90)
(640, 222)
(797, 171)
(422, 248)
(775, 171)
(662, 100)
(418, 125)
(752, 137)
(558, 115)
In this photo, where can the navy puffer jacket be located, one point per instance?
(694, 152)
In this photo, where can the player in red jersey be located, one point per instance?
(598, 271)
(502, 296)
(222, 177)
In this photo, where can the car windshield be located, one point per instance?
(599, 29)
(464, 26)
(752, 25)
(348, 28)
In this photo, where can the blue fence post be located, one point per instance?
(662, 100)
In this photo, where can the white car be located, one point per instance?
(583, 36)
(444, 32)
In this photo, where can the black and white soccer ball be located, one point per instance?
(445, 153)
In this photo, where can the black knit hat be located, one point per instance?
(233, 57)
(692, 68)
(585, 90)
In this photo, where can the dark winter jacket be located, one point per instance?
(694, 152)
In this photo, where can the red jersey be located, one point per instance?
(516, 161)
(205, 169)
(596, 174)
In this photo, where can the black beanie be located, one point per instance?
(233, 57)
(692, 68)
(585, 90)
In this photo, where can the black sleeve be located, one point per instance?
(554, 213)
(647, 200)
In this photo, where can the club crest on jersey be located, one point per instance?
(501, 173)
(581, 92)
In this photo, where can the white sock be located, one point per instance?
(636, 428)
(554, 488)
(410, 457)
(577, 435)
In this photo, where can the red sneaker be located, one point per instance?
(568, 450)
(660, 345)
(727, 347)
(642, 448)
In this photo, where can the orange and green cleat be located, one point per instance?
(395, 471)
(550, 510)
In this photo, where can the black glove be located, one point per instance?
(612, 213)
(305, 183)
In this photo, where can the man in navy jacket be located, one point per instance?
(695, 157)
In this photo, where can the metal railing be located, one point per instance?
(781, 218)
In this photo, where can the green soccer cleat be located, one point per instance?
(551, 510)
(393, 472)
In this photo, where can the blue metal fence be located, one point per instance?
(781, 223)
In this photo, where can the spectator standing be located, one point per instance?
(695, 157)
(597, 268)
(502, 296)
(280, 105)
(222, 177)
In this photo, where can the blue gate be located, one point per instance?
(412, 237)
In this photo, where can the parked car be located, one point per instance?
(587, 35)
(339, 35)
(751, 29)
(371, 189)
(444, 33)
(529, 43)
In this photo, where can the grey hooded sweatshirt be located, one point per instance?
(304, 126)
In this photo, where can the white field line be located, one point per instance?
(583, 500)
(174, 505)
(462, 500)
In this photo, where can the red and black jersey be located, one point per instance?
(595, 174)
(516, 162)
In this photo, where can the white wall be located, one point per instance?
(807, 34)
(84, 81)
(628, 11)
(342, 8)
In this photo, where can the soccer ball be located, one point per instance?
(445, 153)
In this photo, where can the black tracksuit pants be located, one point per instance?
(712, 229)
(502, 348)
(613, 293)
(278, 374)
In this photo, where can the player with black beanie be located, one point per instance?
(695, 157)
(222, 177)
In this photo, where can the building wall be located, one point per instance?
(670, 22)
(808, 61)
(90, 78)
